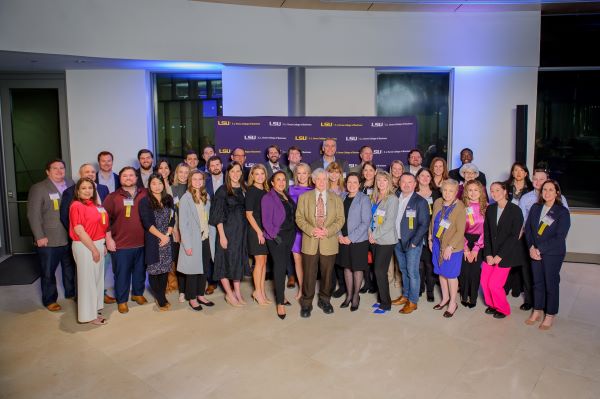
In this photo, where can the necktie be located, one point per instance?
(275, 168)
(320, 212)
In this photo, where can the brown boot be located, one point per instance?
(139, 299)
(408, 308)
(401, 300)
(123, 308)
(109, 299)
(54, 307)
(291, 281)
(210, 289)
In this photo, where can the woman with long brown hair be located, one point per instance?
(439, 169)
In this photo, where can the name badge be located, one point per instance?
(445, 224)
(128, 202)
(175, 200)
(369, 191)
(470, 216)
(430, 201)
(380, 212)
(102, 212)
(411, 213)
(548, 220)
(291, 183)
(469, 211)
(54, 197)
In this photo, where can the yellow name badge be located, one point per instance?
(542, 228)
(470, 216)
(411, 215)
(546, 221)
(430, 203)
(444, 224)
(102, 214)
(128, 203)
(380, 213)
(54, 197)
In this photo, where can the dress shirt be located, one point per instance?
(414, 169)
(145, 176)
(217, 183)
(402, 203)
(60, 186)
(530, 198)
(110, 182)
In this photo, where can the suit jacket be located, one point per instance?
(319, 164)
(502, 238)
(44, 218)
(115, 176)
(209, 185)
(553, 239)
(151, 242)
(420, 226)
(455, 234)
(282, 167)
(67, 198)
(306, 221)
(385, 233)
(140, 182)
(455, 175)
(191, 236)
(359, 217)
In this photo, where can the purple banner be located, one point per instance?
(390, 138)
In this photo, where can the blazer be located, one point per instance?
(414, 236)
(272, 214)
(115, 176)
(191, 236)
(455, 234)
(150, 240)
(359, 217)
(502, 238)
(282, 167)
(306, 222)
(385, 233)
(67, 198)
(209, 185)
(455, 175)
(43, 217)
(319, 164)
(553, 239)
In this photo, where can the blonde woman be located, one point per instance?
(396, 170)
(336, 178)
(178, 188)
(257, 188)
(383, 236)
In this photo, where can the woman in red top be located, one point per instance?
(88, 223)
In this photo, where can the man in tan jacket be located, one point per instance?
(320, 216)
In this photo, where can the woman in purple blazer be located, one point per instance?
(278, 212)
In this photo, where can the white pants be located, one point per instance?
(90, 281)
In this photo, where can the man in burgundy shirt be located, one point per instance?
(125, 239)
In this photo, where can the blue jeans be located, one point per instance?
(130, 271)
(408, 261)
(50, 257)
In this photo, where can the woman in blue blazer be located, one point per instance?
(354, 239)
(546, 232)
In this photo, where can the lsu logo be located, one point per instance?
(274, 123)
(224, 150)
(300, 138)
(249, 137)
(376, 124)
(224, 123)
(327, 124)
(352, 138)
(376, 152)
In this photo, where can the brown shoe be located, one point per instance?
(109, 299)
(139, 299)
(408, 308)
(210, 289)
(401, 300)
(54, 307)
(123, 308)
(291, 282)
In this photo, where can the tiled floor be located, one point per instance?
(224, 352)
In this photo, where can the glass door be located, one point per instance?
(34, 131)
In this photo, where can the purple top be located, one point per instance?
(273, 214)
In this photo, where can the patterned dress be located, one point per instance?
(165, 255)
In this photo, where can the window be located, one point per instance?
(421, 94)
(186, 110)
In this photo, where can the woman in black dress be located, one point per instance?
(257, 187)
(227, 214)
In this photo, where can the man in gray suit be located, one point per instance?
(273, 165)
(328, 148)
(43, 213)
(366, 155)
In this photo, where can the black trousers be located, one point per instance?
(194, 285)
(280, 253)
(428, 278)
(338, 278)
(180, 276)
(158, 285)
(382, 255)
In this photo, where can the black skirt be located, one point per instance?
(254, 248)
(354, 256)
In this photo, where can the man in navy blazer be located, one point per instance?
(412, 224)
(85, 170)
(105, 175)
(215, 176)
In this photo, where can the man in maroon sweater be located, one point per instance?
(125, 239)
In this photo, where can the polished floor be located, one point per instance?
(225, 352)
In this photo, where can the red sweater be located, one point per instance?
(125, 225)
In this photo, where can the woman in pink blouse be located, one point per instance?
(475, 200)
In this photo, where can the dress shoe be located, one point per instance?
(490, 310)
(499, 315)
(472, 305)
(325, 306)
(338, 293)
(109, 299)
(123, 308)
(430, 298)
(364, 289)
(305, 312)
(408, 308)
(281, 315)
(354, 308)
(345, 304)
(210, 289)
(164, 308)
(291, 283)
(440, 306)
(54, 307)
(372, 290)
(139, 299)
(525, 306)
(196, 308)
(464, 303)
(401, 300)
(207, 303)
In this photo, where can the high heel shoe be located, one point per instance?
(281, 316)
(345, 304)
(441, 306)
(355, 308)
(448, 315)
(234, 304)
(196, 308)
(257, 301)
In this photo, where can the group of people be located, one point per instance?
(355, 229)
